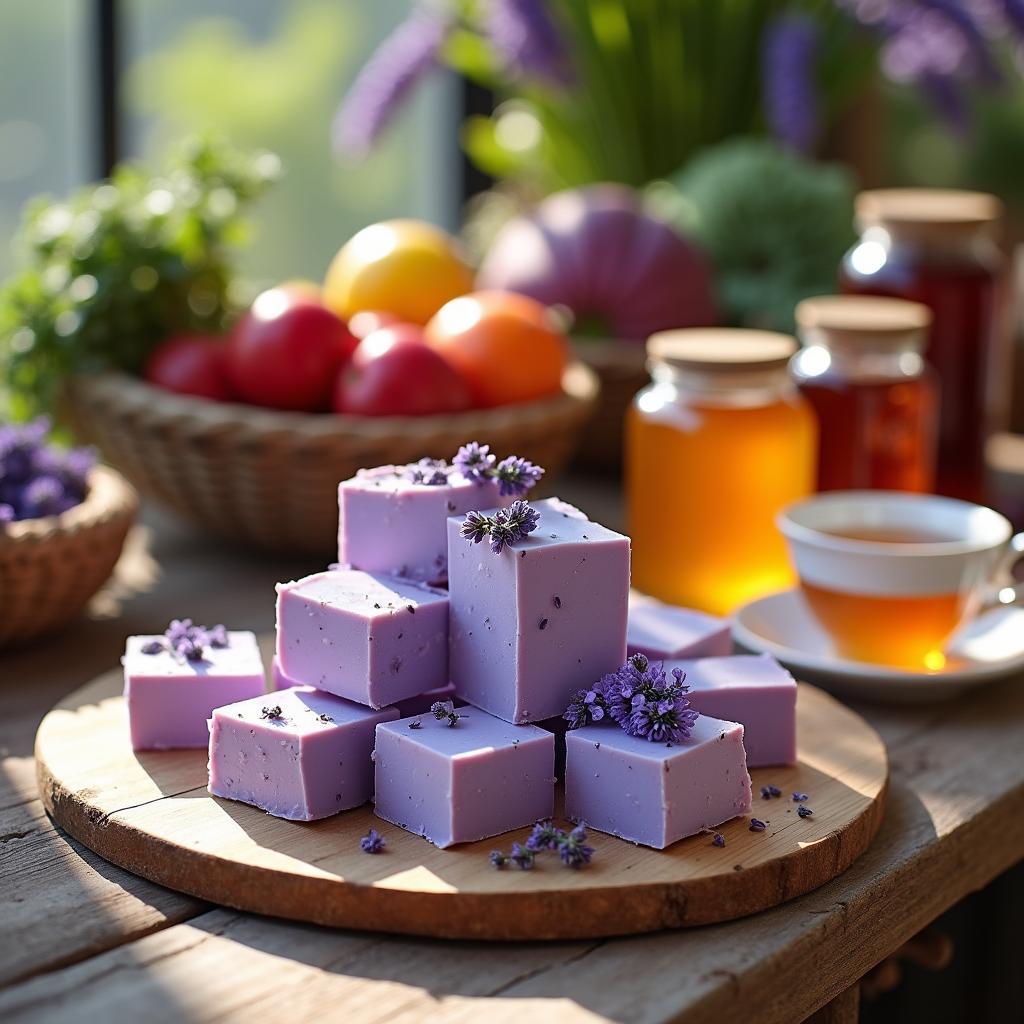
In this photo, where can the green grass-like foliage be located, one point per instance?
(119, 266)
(775, 226)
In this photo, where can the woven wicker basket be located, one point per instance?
(270, 478)
(49, 568)
(621, 368)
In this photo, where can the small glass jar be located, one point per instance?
(876, 398)
(716, 446)
(938, 247)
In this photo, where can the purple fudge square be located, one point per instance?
(461, 783)
(169, 698)
(369, 638)
(407, 707)
(312, 760)
(662, 631)
(656, 793)
(754, 690)
(388, 524)
(540, 620)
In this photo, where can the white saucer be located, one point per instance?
(782, 625)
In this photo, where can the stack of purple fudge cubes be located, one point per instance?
(416, 618)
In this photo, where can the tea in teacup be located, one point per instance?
(892, 576)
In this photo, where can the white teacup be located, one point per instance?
(892, 576)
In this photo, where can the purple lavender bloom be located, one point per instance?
(529, 41)
(372, 842)
(516, 475)
(218, 635)
(511, 525)
(757, 825)
(799, 798)
(573, 849)
(665, 720)
(804, 812)
(475, 527)
(399, 63)
(498, 859)
(545, 836)
(522, 857)
(429, 472)
(587, 705)
(154, 646)
(43, 496)
(474, 461)
(789, 65)
(718, 839)
(768, 792)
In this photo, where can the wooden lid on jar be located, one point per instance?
(722, 349)
(928, 212)
(863, 320)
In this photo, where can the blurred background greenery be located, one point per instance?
(263, 74)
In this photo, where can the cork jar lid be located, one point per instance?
(722, 349)
(862, 319)
(931, 211)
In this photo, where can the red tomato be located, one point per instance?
(191, 364)
(286, 351)
(366, 321)
(393, 373)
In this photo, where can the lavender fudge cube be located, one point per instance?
(540, 620)
(754, 690)
(653, 793)
(663, 631)
(370, 638)
(300, 754)
(457, 784)
(170, 698)
(389, 524)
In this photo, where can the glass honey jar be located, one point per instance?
(939, 247)
(876, 398)
(716, 445)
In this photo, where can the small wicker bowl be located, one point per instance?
(270, 478)
(51, 567)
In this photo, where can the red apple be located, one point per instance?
(366, 321)
(286, 351)
(394, 373)
(191, 364)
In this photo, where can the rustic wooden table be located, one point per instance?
(83, 940)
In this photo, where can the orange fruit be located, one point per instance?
(404, 267)
(508, 347)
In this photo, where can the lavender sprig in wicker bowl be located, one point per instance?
(270, 478)
(62, 537)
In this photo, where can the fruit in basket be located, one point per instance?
(366, 321)
(404, 267)
(394, 373)
(508, 347)
(286, 351)
(622, 272)
(191, 364)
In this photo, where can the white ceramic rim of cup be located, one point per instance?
(808, 521)
(875, 568)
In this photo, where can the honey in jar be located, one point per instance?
(938, 247)
(876, 398)
(716, 445)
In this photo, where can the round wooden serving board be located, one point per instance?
(151, 813)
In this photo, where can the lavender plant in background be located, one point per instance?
(406, 57)
(528, 41)
(789, 67)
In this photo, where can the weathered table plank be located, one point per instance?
(955, 821)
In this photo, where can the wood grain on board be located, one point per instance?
(150, 812)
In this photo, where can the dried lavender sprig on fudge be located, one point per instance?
(642, 698)
(506, 527)
(515, 475)
(185, 640)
